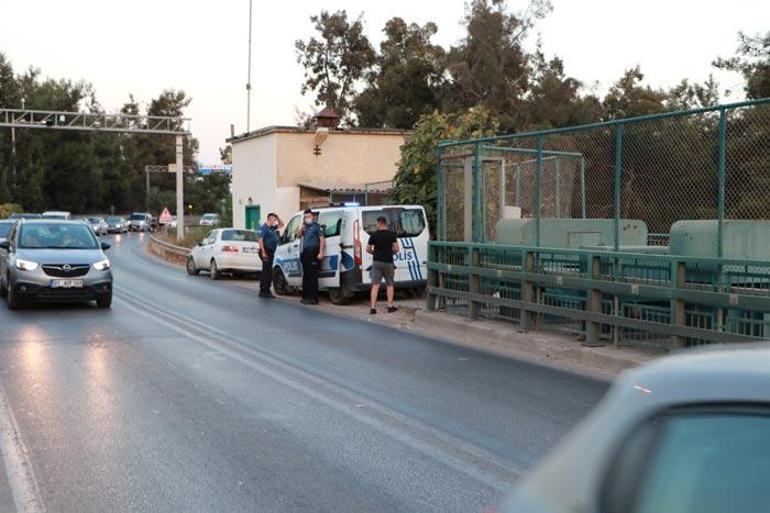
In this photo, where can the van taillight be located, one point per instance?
(357, 243)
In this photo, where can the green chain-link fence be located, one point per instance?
(645, 194)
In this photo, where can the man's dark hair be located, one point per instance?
(382, 220)
(273, 214)
(308, 211)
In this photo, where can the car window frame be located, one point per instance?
(630, 489)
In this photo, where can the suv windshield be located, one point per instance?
(5, 228)
(138, 217)
(113, 219)
(94, 220)
(406, 222)
(209, 216)
(56, 236)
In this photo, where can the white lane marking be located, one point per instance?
(18, 467)
(474, 461)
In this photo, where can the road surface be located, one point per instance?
(195, 396)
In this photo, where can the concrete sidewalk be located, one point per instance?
(498, 337)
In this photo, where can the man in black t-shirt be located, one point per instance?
(382, 245)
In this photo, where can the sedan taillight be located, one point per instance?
(229, 249)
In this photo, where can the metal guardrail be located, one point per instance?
(167, 247)
(627, 298)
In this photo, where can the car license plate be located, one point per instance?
(66, 284)
(250, 250)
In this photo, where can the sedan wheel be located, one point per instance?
(191, 270)
(214, 270)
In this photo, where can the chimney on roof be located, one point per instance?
(327, 118)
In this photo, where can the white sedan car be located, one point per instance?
(227, 250)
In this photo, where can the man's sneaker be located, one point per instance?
(392, 309)
(372, 311)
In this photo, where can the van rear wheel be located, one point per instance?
(340, 295)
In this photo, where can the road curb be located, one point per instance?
(541, 347)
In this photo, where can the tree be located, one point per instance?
(628, 98)
(336, 61)
(408, 78)
(753, 62)
(490, 67)
(226, 154)
(554, 99)
(415, 180)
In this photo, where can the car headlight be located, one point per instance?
(26, 265)
(102, 265)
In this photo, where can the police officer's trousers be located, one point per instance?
(310, 268)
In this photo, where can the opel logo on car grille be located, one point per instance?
(66, 267)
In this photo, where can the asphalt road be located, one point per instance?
(190, 395)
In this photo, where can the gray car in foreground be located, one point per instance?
(52, 260)
(686, 434)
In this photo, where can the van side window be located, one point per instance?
(331, 221)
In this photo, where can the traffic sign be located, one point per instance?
(165, 216)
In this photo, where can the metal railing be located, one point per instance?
(625, 298)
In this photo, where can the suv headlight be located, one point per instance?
(102, 265)
(26, 265)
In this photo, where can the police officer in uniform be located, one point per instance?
(313, 244)
(268, 241)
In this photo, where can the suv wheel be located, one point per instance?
(104, 301)
(214, 270)
(13, 299)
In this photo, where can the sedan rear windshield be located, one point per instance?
(240, 235)
(114, 219)
(56, 236)
(406, 222)
(138, 217)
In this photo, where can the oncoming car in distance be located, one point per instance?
(117, 224)
(209, 220)
(226, 250)
(140, 222)
(99, 225)
(52, 260)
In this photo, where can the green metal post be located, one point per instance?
(721, 193)
(518, 185)
(440, 198)
(618, 173)
(538, 188)
(558, 189)
(583, 185)
(366, 194)
(477, 220)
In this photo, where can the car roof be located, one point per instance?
(50, 221)
(736, 373)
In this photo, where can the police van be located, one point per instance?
(346, 266)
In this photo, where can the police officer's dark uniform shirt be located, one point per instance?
(268, 236)
(311, 237)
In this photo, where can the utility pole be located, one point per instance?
(179, 190)
(248, 81)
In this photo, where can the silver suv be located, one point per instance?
(139, 222)
(52, 260)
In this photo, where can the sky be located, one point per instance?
(143, 46)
